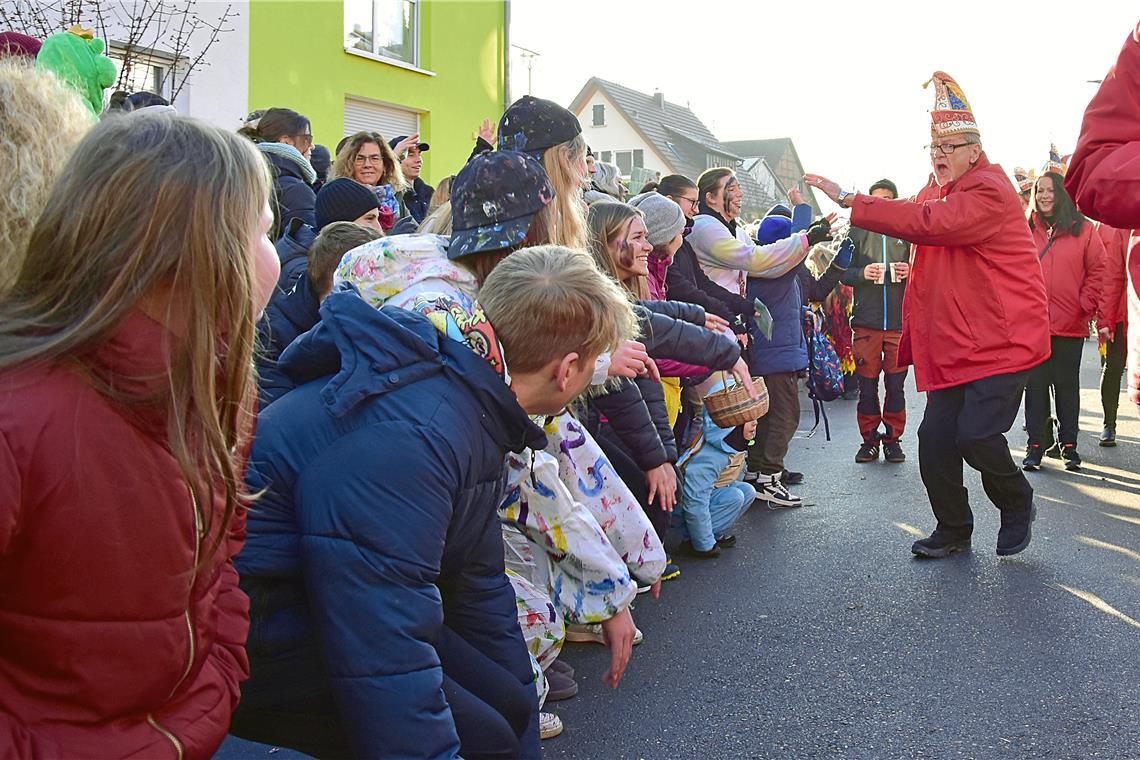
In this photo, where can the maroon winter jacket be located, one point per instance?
(975, 305)
(1072, 267)
(113, 643)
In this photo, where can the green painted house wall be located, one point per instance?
(297, 60)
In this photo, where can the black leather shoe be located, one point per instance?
(938, 545)
(1015, 532)
(689, 550)
(1108, 436)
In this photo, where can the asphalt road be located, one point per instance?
(820, 636)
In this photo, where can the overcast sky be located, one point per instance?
(843, 79)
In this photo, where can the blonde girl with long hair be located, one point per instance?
(126, 406)
(553, 135)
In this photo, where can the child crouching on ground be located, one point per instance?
(713, 494)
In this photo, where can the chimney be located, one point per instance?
(659, 100)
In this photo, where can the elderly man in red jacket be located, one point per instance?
(1104, 175)
(976, 321)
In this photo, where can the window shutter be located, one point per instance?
(366, 116)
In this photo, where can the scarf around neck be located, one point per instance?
(290, 153)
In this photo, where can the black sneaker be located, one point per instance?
(939, 545)
(1108, 436)
(687, 548)
(868, 452)
(1071, 457)
(1015, 532)
(726, 542)
(1032, 461)
(893, 453)
(672, 572)
(789, 478)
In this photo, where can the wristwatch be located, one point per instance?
(844, 195)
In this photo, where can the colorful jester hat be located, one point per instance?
(76, 57)
(1055, 164)
(951, 114)
(1023, 179)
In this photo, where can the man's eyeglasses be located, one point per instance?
(946, 148)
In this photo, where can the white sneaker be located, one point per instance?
(593, 634)
(549, 725)
(776, 493)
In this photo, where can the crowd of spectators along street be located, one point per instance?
(295, 446)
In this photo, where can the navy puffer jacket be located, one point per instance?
(293, 197)
(379, 529)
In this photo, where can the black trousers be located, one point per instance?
(1061, 373)
(494, 714)
(968, 423)
(1111, 373)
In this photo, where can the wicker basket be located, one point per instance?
(732, 406)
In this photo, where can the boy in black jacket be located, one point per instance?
(878, 274)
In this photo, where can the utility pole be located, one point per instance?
(529, 55)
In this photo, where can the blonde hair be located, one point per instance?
(606, 221)
(541, 232)
(41, 121)
(441, 195)
(345, 163)
(560, 164)
(549, 301)
(438, 222)
(151, 202)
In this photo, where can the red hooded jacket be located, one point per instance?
(114, 644)
(1072, 266)
(1104, 172)
(976, 305)
(1113, 307)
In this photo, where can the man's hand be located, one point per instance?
(796, 197)
(629, 360)
(662, 482)
(715, 323)
(874, 272)
(403, 146)
(618, 632)
(1107, 334)
(824, 185)
(902, 270)
(487, 132)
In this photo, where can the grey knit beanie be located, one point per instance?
(663, 218)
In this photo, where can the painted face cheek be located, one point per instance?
(625, 255)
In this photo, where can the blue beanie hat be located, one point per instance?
(773, 228)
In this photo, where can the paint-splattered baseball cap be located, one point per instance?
(493, 200)
(531, 125)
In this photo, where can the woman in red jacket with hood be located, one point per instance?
(1072, 256)
(976, 321)
(126, 399)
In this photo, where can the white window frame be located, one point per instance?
(153, 59)
(414, 64)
